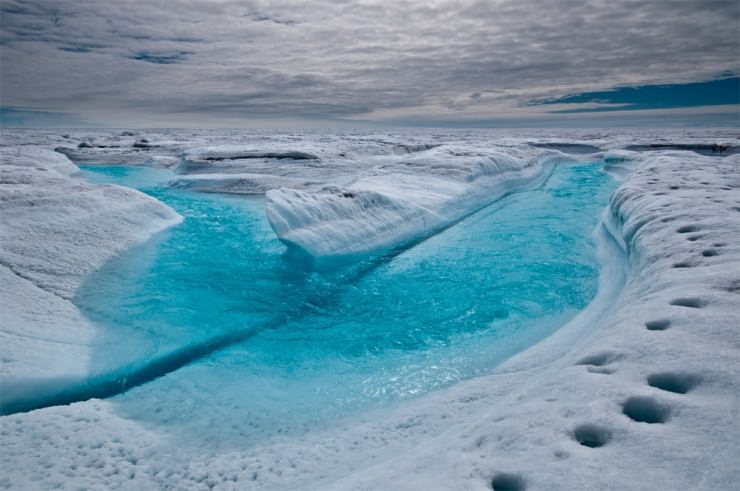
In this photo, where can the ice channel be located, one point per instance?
(264, 348)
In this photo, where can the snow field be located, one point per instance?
(640, 391)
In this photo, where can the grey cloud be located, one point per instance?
(325, 59)
(161, 58)
(259, 17)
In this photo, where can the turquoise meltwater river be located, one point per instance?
(243, 345)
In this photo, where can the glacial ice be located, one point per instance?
(52, 214)
(238, 183)
(56, 229)
(241, 152)
(399, 202)
(677, 215)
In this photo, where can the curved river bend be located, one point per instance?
(241, 345)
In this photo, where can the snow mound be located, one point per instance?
(15, 159)
(56, 229)
(239, 152)
(239, 159)
(254, 169)
(236, 183)
(399, 202)
(708, 149)
(47, 214)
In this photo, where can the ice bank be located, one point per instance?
(56, 229)
(644, 397)
(393, 204)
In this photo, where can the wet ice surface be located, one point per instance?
(637, 391)
(319, 345)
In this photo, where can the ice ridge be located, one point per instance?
(400, 202)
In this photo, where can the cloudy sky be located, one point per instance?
(207, 63)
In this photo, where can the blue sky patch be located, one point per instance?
(709, 93)
(20, 117)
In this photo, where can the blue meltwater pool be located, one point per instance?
(240, 344)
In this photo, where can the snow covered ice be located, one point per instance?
(395, 203)
(56, 229)
(638, 390)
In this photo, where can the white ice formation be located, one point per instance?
(56, 229)
(640, 391)
(402, 201)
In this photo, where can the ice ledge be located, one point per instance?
(394, 204)
(56, 229)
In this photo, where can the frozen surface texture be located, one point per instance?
(640, 391)
(56, 229)
(648, 398)
(398, 202)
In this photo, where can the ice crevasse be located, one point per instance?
(396, 203)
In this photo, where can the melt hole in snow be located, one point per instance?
(709, 253)
(599, 359)
(694, 303)
(508, 482)
(687, 228)
(658, 325)
(646, 410)
(591, 435)
(680, 383)
(559, 454)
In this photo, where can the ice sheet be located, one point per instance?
(399, 202)
(581, 410)
(56, 229)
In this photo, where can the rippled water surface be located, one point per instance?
(291, 349)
